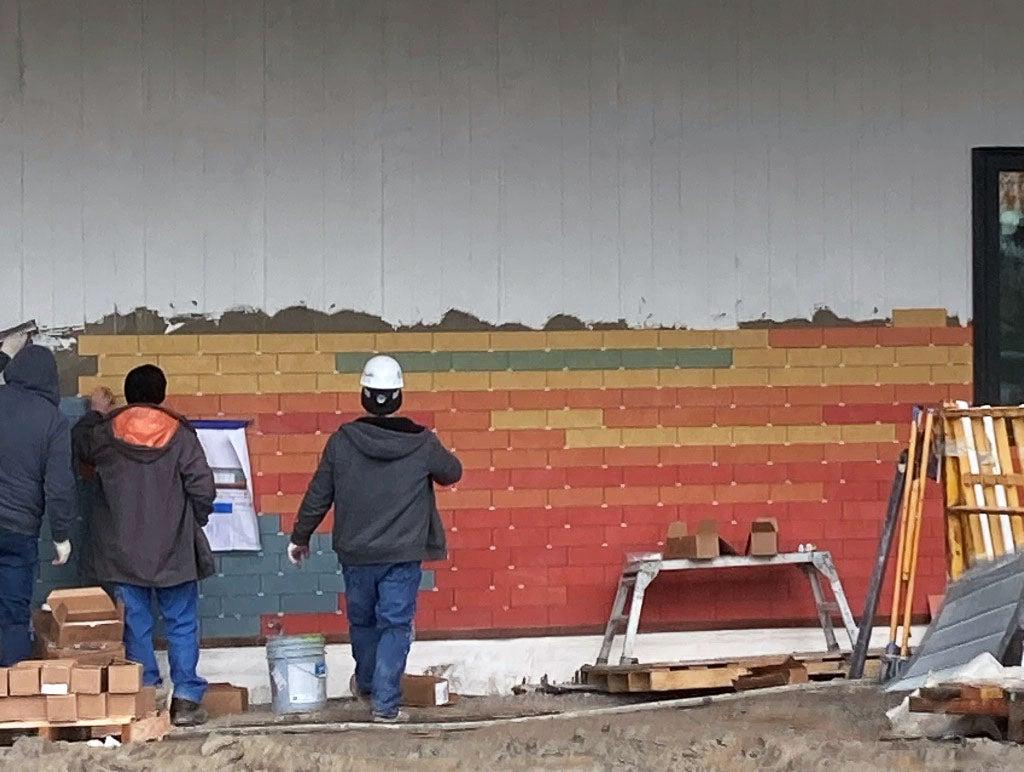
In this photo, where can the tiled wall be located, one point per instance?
(579, 446)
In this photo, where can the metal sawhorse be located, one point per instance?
(641, 568)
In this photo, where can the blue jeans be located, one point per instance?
(179, 607)
(381, 601)
(19, 559)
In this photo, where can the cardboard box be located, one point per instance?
(55, 676)
(701, 545)
(23, 679)
(92, 706)
(82, 604)
(224, 699)
(423, 691)
(87, 653)
(124, 677)
(61, 708)
(764, 537)
(138, 705)
(65, 634)
(3, 682)
(23, 709)
(88, 679)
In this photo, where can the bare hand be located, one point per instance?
(101, 400)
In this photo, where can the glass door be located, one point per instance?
(998, 181)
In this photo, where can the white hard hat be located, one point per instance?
(382, 372)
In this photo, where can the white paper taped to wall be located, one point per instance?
(232, 524)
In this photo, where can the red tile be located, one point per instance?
(481, 518)
(538, 478)
(632, 495)
(904, 336)
(427, 400)
(249, 405)
(952, 336)
(484, 479)
(537, 438)
(291, 482)
(686, 455)
(520, 498)
(687, 416)
(795, 337)
(538, 400)
(744, 454)
(650, 475)
(568, 457)
(864, 393)
(480, 400)
(814, 395)
(593, 398)
(704, 396)
(594, 477)
(578, 535)
(758, 395)
(521, 537)
(631, 456)
(527, 556)
(795, 415)
(480, 440)
(741, 416)
(760, 473)
(464, 577)
(837, 337)
(462, 419)
(287, 423)
(630, 417)
(667, 397)
(519, 458)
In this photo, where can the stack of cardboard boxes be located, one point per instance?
(80, 624)
(62, 691)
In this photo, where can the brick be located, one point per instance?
(905, 374)
(287, 382)
(470, 361)
(766, 357)
(634, 456)
(630, 379)
(630, 339)
(228, 384)
(249, 404)
(656, 397)
(236, 364)
(463, 419)
(757, 435)
(920, 355)
(228, 344)
(461, 381)
(808, 491)
(484, 479)
(188, 364)
(648, 358)
(593, 477)
(686, 378)
(649, 437)
(864, 413)
(960, 355)
(813, 434)
(287, 423)
(868, 432)
(813, 357)
(339, 382)
(292, 462)
(182, 384)
(697, 358)
(592, 359)
(519, 419)
(169, 344)
(345, 341)
(686, 338)
(919, 317)
(796, 376)
(631, 495)
(306, 363)
(538, 478)
(537, 438)
(348, 362)
(850, 336)
(760, 473)
(517, 341)
(590, 438)
(280, 502)
(426, 401)
(194, 406)
(795, 337)
(753, 395)
(631, 417)
(740, 416)
(864, 357)
(593, 397)
(576, 497)
(573, 339)
(574, 419)
(311, 403)
(91, 345)
(118, 364)
(920, 393)
(536, 360)
(741, 338)
(537, 400)
(957, 374)
(795, 415)
(845, 376)
(519, 458)
(874, 393)
(480, 440)
(686, 416)
(412, 361)
(813, 395)
(904, 336)
(711, 435)
(749, 376)
(753, 492)
(535, 381)
(463, 499)
(461, 341)
(574, 457)
(952, 336)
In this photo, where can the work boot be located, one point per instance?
(187, 713)
(401, 717)
(359, 694)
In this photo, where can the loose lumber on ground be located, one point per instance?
(130, 730)
(1005, 704)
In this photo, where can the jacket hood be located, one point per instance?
(144, 432)
(35, 369)
(375, 441)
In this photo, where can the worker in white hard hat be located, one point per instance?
(378, 473)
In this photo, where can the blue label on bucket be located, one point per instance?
(321, 670)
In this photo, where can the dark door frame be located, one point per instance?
(986, 164)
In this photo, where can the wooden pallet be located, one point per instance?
(717, 675)
(130, 730)
(1006, 705)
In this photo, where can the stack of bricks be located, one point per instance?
(581, 445)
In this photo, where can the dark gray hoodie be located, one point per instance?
(35, 448)
(378, 474)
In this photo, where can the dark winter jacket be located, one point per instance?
(378, 473)
(35, 448)
(158, 491)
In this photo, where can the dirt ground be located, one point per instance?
(834, 727)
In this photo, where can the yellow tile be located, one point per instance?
(849, 376)
(344, 382)
(90, 345)
(645, 438)
(527, 340)
(334, 342)
(867, 356)
(684, 377)
(228, 384)
(183, 384)
(417, 381)
(630, 338)
(306, 363)
(759, 357)
(288, 383)
(390, 342)
(921, 355)
(919, 317)
(593, 438)
(960, 355)
(502, 379)
(686, 338)
(239, 364)
(575, 419)
(905, 374)
(630, 379)
(567, 339)
(519, 419)
(705, 435)
(287, 343)
(868, 432)
(741, 338)
(461, 341)
(228, 344)
(952, 374)
(119, 364)
(795, 376)
(86, 384)
(182, 364)
(169, 344)
(461, 381)
(813, 435)
(758, 435)
(747, 376)
(575, 379)
(814, 357)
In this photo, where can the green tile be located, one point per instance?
(593, 359)
(479, 360)
(704, 357)
(648, 358)
(425, 361)
(536, 360)
(349, 362)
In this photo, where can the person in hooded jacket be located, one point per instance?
(159, 491)
(378, 473)
(35, 479)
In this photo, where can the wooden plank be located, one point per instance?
(1006, 467)
(981, 692)
(979, 550)
(990, 511)
(956, 531)
(960, 707)
(146, 729)
(977, 412)
(696, 678)
(995, 479)
(984, 452)
(29, 725)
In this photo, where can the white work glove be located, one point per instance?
(12, 344)
(63, 552)
(297, 554)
